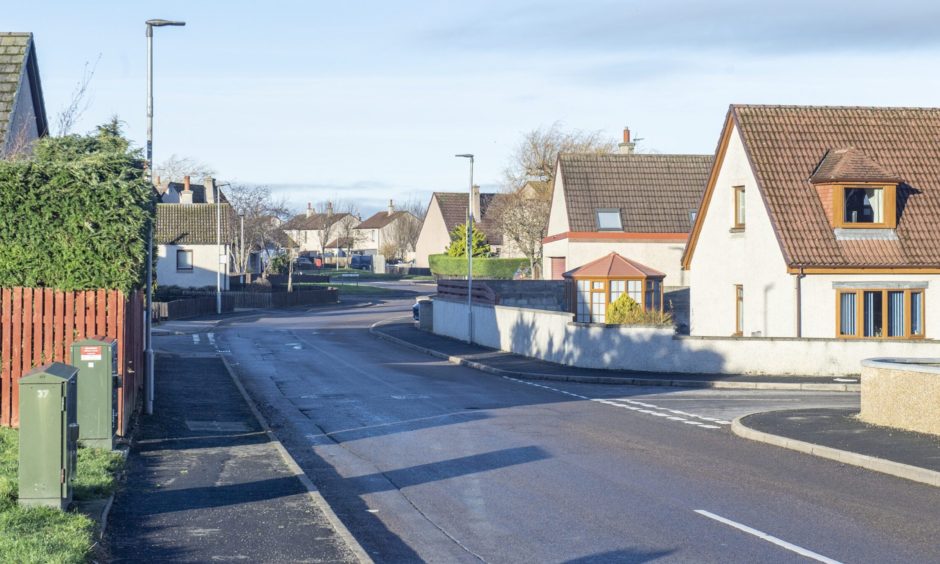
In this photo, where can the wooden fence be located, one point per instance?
(39, 325)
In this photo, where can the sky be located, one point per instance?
(365, 101)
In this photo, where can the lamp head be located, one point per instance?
(161, 23)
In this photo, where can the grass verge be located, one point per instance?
(48, 535)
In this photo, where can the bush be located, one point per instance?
(490, 268)
(625, 311)
(75, 215)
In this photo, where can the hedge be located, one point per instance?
(75, 215)
(492, 268)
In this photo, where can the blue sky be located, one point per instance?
(365, 101)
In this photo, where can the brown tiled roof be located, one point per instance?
(614, 266)
(192, 224)
(454, 209)
(381, 219)
(786, 145)
(16, 52)
(850, 165)
(314, 222)
(654, 193)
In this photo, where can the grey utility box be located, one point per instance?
(96, 360)
(48, 435)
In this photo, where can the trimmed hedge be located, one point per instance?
(492, 268)
(75, 216)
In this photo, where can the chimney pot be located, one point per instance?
(391, 207)
(309, 209)
(626, 134)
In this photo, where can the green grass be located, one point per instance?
(48, 535)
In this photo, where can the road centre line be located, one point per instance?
(195, 338)
(769, 538)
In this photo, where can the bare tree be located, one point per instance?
(79, 103)
(534, 157)
(346, 232)
(406, 229)
(263, 216)
(175, 168)
(522, 216)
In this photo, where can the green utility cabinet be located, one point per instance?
(96, 360)
(48, 435)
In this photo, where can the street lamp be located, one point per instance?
(469, 251)
(148, 314)
(223, 256)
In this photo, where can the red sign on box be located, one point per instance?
(90, 353)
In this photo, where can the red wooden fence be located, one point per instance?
(39, 325)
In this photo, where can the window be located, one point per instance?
(880, 314)
(863, 205)
(609, 220)
(739, 207)
(617, 288)
(635, 290)
(866, 207)
(584, 301)
(591, 301)
(184, 260)
(738, 309)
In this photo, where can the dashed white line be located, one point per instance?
(769, 538)
(195, 339)
(211, 337)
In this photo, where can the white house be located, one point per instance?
(639, 206)
(22, 110)
(188, 254)
(447, 210)
(820, 222)
(385, 230)
(319, 232)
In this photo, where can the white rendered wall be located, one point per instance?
(558, 214)
(751, 258)
(434, 237)
(551, 336)
(205, 263)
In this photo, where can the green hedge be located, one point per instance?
(75, 215)
(492, 268)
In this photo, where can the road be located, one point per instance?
(427, 461)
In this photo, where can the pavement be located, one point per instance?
(207, 481)
(836, 434)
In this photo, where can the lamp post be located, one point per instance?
(148, 313)
(241, 248)
(469, 250)
(223, 255)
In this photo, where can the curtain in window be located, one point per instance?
(874, 198)
(895, 314)
(873, 322)
(847, 324)
(917, 318)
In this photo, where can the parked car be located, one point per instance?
(362, 262)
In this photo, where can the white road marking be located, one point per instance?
(633, 405)
(769, 538)
(211, 337)
(195, 339)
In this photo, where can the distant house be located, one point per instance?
(446, 211)
(640, 206)
(319, 232)
(383, 230)
(22, 109)
(820, 222)
(188, 253)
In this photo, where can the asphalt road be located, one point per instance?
(425, 460)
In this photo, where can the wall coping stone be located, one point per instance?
(926, 365)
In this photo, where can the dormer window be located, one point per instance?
(855, 191)
(609, 220)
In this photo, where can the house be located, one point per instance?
(591, 288)
(640, 206)
(387, 232)
(318, 232)
(820, 222)
(447, 210)
(22, 109)
(188, 250)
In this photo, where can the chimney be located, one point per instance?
(209, 183)
(626, 148)
(475, 198)
(186, 196)
(156, 180)
(329, 209)
(391, 207)
(309, 209)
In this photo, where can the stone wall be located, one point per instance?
(902, 393)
